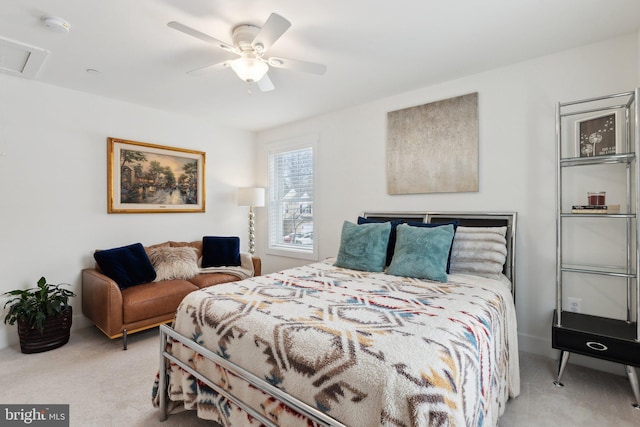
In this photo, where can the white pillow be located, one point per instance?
(481, 251)
(174, 263)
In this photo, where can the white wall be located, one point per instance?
(53, 172)
(517, 162)
(53, 183)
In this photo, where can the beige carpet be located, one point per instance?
(106, 386)
(589, 398)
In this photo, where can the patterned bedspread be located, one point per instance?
(365, 348)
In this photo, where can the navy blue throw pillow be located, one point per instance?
(127, 265)
(220, 251)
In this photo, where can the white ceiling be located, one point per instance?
(372, 48)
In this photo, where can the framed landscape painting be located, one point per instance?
(149, 178)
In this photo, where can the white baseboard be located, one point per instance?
(80, 321)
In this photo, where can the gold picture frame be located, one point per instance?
(150, 178)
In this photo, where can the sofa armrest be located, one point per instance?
(102, 301)
(257, 265)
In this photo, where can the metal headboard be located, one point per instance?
(466, 219)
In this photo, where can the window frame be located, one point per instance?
(279, 249)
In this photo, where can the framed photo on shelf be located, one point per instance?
(599, 135)
(149, 178)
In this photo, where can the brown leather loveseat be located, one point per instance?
(118, 312)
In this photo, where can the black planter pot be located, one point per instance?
(56, 333)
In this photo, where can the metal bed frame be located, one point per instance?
(471, 219)
(166, 331)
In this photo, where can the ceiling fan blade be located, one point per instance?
(202, 36)
(295, 65)
(271, 31)
(209, 68)
(265, 84)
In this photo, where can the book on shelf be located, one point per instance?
(595, 209)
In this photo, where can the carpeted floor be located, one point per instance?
(589, 398)
(106, 386)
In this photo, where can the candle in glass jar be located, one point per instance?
(596, 198)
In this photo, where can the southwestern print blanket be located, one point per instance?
(365, 348)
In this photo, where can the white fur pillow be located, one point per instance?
(174, 263)
(481, 251)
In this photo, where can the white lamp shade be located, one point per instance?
(250, 197)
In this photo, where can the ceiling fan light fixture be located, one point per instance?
(252, 43)
(249, 68)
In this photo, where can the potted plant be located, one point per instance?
(43, 315)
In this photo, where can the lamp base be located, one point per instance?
(252, 230)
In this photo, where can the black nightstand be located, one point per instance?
(608, 339)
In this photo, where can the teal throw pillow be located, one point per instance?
(392, 235)
(363, 247)
(455, 224)
(421, 252)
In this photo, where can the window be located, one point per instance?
(291, 201)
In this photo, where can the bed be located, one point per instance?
(325, 345)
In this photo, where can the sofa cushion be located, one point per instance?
(153, 299)
(174, 263)
(126, 265)
(218, 251)
(210, 279)
(196, 244)
(158, 245)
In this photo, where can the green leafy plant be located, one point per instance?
(37, 304)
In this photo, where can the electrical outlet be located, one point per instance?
(575, 304)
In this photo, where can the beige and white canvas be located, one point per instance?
(433, 148)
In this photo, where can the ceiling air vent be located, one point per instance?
(19, 59)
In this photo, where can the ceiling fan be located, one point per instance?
(251, 43)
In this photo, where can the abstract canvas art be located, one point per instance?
(433, 148)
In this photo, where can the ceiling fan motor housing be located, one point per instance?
(243, 36)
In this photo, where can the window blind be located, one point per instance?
(291, 199)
